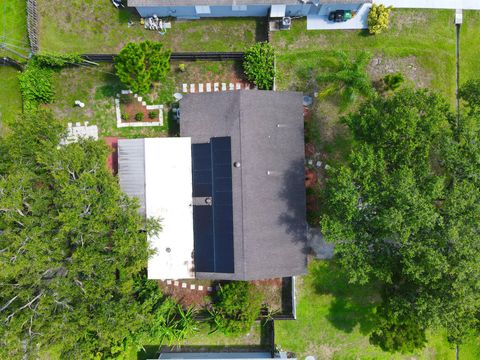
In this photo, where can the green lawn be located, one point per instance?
(335, 318)
(13, 27)
(91, 26)
(420, 43)
(470, 46)
(10, 98)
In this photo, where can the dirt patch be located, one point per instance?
(380, 66)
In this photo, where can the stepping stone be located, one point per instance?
(215, 87)
(144, 103)
(140, 99)
(209, 289)
(209, 87)
(231, 87)
(184, 285)
(200, 88)
(238, 86)
(224, 87)
(192, 88)
(184, 88)
(192, 287)
(200, 287)
(169, 282)
(175, 283)
(246, 86)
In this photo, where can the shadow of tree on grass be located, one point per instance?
(352, 305)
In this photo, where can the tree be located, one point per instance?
(469, 92)
(403, 212)
(236, 307)
(378, 18)
(140, 64)
(259, 65)
(72, 249)
(348, 77)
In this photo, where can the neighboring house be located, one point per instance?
(230, 191)
(195, 9)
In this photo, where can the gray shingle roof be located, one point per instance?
(266, 130)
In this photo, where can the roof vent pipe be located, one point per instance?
(236, 164)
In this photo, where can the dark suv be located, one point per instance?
(340, 15)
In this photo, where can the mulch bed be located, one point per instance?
(133, 107)
(271, 288)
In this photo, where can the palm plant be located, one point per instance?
(349, 77)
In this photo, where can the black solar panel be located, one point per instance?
(213, 225)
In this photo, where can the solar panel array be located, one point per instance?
(213, 225)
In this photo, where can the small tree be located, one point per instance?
(259, 65)
(378, 18)
(469, 92)
(139, 116)
(236, 307)
(140, 64)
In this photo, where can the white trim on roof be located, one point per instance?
(168, 194)
(278, 11)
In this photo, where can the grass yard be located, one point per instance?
(470, 46)
(334, 319)
(419, 43)
(256, 338)
(90, 26)
(10, 97)
(97, 88)
(13, 28)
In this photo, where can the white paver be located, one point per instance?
(169, 282)
(215, 87)
(224, 87)
(246, 86)
(175, 283)
(184, 285)
(238, 86)
(200, 287)
(209, 87)
(192, 286)
(192, 88)
(184, 88)
(200, 88)
(231, 87)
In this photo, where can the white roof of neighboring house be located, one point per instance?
(167, 182)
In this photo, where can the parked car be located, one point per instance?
(340, 15)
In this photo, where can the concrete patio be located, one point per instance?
(358, 22)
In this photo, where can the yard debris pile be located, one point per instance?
(156, 24)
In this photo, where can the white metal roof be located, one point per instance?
(158, 171)
(168, 196)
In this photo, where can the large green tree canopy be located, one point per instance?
(72, 248)
(405, 209)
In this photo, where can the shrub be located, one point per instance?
(36, 85)
(124, 116)
(139, 116)
(236, 307)
(57, 60)
(398, 335)
(469, 92)
(140, 64)
(259, 65)
(125, 99)
(152, 114)
(393, 81)
(378, 18)
(182, 67)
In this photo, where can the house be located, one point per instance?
(195, 9)
(230, 190)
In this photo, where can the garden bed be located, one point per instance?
(277, 294)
